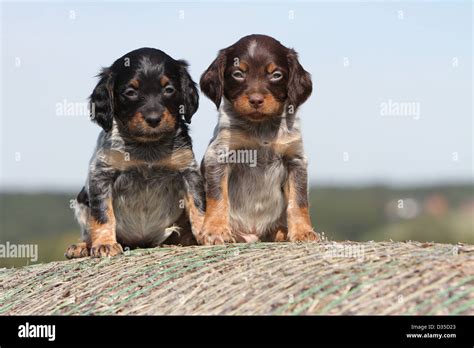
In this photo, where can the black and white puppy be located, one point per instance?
(144, 186)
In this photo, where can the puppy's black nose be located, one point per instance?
(153, 120)
(256, 100)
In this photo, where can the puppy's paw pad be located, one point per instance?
(106, 250)
(76, 251)
(215, 237)
(304, 236)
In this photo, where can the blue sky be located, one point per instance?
(362, 55)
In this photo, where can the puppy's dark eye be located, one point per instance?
(275, 76)
(238, 75)
(169, 90)
(130, 93)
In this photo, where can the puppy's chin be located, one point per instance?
(147, 138)
(145, 135)
(141, 132)
(259, 116)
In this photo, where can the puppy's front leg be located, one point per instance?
(101, 224)
(216, 229)
(195, 201)
(299, 222)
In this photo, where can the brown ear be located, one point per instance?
(299, 81)
(212, 80)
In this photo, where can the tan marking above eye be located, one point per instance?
(164, 80)
(271, 68)
(243, 66)
(135, 83)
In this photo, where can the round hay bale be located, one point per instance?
(261, 278)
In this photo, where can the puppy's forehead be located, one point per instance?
(251, 48)
(162, 70)
(150, 68)
(259, 50)
(145, 66)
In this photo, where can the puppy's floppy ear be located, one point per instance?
(189, 92)
(299, 81)
(102, 100)
(212, 80)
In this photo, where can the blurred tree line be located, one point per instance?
(443, 214)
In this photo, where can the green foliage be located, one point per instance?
(360, 214)
(45, 219)
(343, 213)
(25, 216)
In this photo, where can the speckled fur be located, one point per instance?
(148, 199)
(144, 186)
(256, 197)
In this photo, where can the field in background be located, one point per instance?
(442, 214)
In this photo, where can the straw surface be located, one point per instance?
(261, 278)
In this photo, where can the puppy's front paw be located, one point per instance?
(105, 250)
(213, 236)
(77, 250)
(303, 235)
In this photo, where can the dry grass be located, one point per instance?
(263, 278)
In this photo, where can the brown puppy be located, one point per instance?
(255, 168)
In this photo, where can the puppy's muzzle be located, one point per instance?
(153, 119)
(256, 100)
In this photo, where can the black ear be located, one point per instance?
(299, 81)
(189, 92)
(212, 80)
(101, 101)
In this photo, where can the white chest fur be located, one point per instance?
(146, 203)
